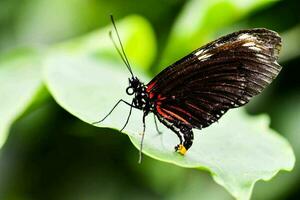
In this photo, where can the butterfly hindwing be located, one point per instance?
(226, 73)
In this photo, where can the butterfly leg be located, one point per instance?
(121, 100)
(143, 135)
(127, 120)
(158, 131)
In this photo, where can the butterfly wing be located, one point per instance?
(226, 73)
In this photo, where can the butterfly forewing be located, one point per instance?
(198, 89)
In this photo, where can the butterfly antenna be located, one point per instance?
(122, 52)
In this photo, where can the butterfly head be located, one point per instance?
(135, 86)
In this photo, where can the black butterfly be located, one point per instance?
(197, 90)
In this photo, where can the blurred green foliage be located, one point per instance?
(50, 154)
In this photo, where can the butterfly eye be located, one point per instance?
(129, 90)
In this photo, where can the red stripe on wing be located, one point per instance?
(149, 88)
(163, 114)
(169, 115)
(176, 116)
(180, 110)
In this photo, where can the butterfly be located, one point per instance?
(200, 88)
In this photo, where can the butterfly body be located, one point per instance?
(198, 89)
(145, 101)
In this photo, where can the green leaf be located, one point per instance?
(20, 80)
(238, 151)
(202, 21)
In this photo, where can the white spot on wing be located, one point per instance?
(245, 36)
(261, 56)
(217, 44)
(204, 56)
(255, 48)
(199, 52)
(242, 101)
(249, 44)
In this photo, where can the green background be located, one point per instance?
(50, 154)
